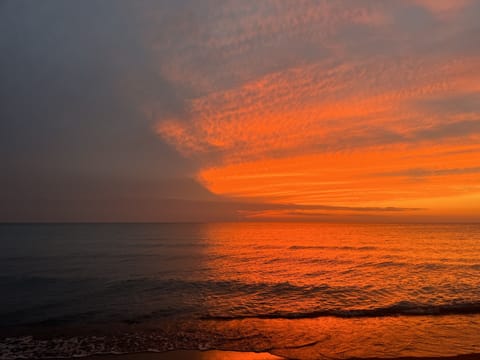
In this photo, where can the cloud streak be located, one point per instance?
(311, 108)
(356, 84)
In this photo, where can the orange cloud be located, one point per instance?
(333, 124)
(443, 8)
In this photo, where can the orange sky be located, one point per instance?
(385, 118)
(226, 110)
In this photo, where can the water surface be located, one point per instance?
(300, 290)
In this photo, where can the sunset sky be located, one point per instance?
(240, 110)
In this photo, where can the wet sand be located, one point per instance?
(235, 355)
(190, 355)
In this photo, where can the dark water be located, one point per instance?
(304, 291)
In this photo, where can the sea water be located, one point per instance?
(300, 290)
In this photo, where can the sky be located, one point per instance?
(240, 110)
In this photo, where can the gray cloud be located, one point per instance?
(74, 79)
(448, 130)
(451, 104)
(373, 136)
(83, 83)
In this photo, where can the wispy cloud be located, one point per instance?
(370, 84)
(359, 106)
(421, 172)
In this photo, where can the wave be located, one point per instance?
(403, 308)
(64, 300)
(325, 247)
(145, 286)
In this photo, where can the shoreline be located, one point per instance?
(189, 355)
(241, 355)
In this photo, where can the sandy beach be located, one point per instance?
(190, 355)
(236, 355)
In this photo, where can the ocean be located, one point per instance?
(298, 290)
